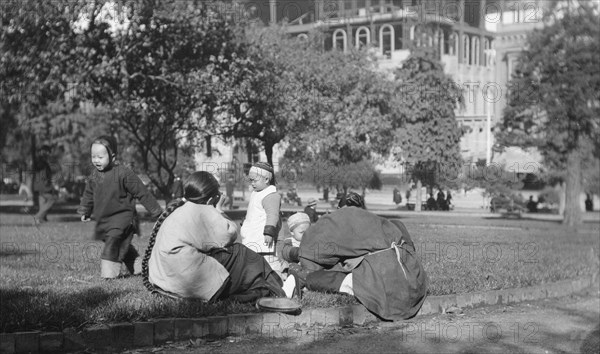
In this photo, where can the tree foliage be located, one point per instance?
(555, 101)
(151, 77)
(426, 130)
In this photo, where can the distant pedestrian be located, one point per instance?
(448, 200)
(110, 195)
(311, 210)
(43, 185)
(397, 196)
(589, 203)
(532, 206)
(431, 203)
(441, 200)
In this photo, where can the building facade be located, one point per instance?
(478, 41)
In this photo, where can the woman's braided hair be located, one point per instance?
(199, 187)
(176, 204)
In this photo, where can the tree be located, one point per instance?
(263, 98)
(41, 56)
(426, 129)
(554, 101)
(151, 77)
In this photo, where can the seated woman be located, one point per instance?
(192, 254)
(357, 252)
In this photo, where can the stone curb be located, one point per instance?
(275, 325)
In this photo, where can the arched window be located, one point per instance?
(475, 51)
(339, 39)
(386, 40)
(486, 52)
(363, 37)
(439, 41)
(466, 51)
(452, 44)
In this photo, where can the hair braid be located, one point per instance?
(152, 240)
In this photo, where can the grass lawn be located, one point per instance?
(49, 274)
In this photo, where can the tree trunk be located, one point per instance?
(572, 216)
(36, 195)
(269, 152)
(418, 196)
(560, 190)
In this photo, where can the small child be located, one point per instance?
(298, 224)
(110, 194)
(262, 223)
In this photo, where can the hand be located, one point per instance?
(85, 218)
(268, 241)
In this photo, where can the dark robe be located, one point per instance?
(250, 276)
(388, 278)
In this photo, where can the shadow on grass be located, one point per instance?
(26, 309)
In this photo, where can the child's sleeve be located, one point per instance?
(271, 203)
(86, 205)
(289, 252)
(136, 187)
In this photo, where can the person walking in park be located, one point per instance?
(311, 210)
(44, 185)
(110, 195)
(261, 226)
(192, 251)
(229, 189)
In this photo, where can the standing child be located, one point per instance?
(262, 224)
(110, 194)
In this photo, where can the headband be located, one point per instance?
(260, 172)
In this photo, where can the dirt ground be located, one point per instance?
(565, 325)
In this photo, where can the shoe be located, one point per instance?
(299, 278)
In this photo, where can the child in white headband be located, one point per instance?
(262, 223)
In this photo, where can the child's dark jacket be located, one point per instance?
(110, 196)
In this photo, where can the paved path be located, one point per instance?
(566, 325)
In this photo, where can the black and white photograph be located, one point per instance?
(300, 176)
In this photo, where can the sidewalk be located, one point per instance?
(110, 338)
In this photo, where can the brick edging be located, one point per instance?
(159, 331)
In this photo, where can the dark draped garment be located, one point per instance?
(388, 278)
(250, 276)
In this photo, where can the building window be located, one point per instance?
(386, 42)
(339, 39)
(475, 51)
(488, 53)
(466, 51)
(363, 37)
(439, 41)
(452, 44)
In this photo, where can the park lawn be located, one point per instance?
(49, 274)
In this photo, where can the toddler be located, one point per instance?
(110, 194)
